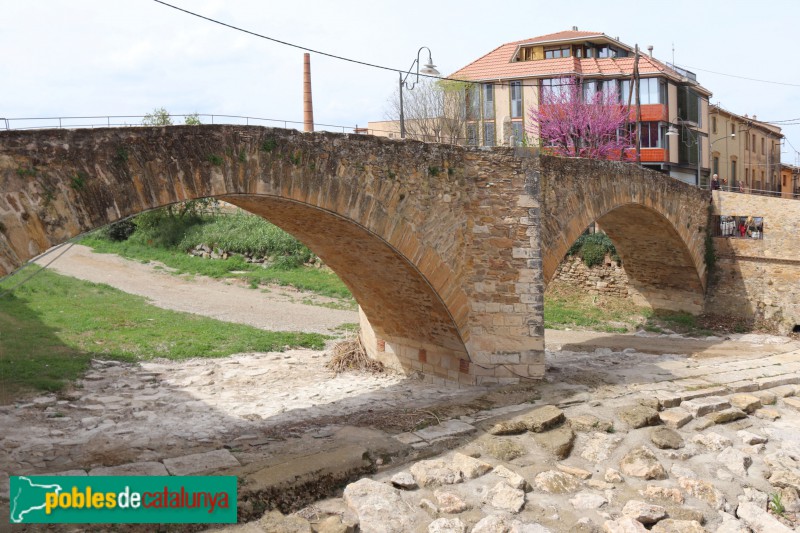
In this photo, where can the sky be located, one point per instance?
(64, 58)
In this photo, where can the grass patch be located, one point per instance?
(567, 306)
(52, 326)
(347, 327)
(306, 278)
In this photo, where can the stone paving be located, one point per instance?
(610, 441)
(705, 445)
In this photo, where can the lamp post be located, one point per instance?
(711, 146)
(429, 69)
(672, 131)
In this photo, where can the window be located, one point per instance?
(754, 142)
(733, 172)
(733, 128)
(488, 100)
(625, 91)
(715, 165)
(653, 135)
(472, 134)
(473, 102)
(589, 90)
(688, 105)
(518, 132)
(650, 91)
(763, 152)
(556, 53)
(746, 142)
(605, 51)
(516, 99)
(554, 88)
(488, 134)
(713, 124)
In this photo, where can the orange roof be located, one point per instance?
(500, 63)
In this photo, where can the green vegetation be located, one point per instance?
(166, 235)
(215, 159)
(566, 306)
(592, 248)
(52, 326)
(776, 503)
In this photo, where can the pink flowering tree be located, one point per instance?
(572, 122)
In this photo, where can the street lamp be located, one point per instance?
(429, 69)
(711, 147)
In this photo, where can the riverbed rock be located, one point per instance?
(646, 513)
(556, 482)
(558, 441)
(376, 505)
(544, 418)
(666, 438)
(506, 498)
(642, 463)
(639, 416)
(469, 466)
(435, 472)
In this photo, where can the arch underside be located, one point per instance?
(660, 269)
(395, 297)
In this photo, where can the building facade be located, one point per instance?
(511, 79)
(745, 152)
(790, 181)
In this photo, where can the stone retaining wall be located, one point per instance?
(606, 278)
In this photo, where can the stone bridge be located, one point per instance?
(446, 249)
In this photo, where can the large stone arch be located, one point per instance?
(438, 243)
(657, 223)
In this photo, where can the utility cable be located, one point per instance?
(735, 76)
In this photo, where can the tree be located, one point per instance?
(434, 111)
(161, 117)
(575, 121)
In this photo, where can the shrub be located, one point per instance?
(120, 231)
(592, 248)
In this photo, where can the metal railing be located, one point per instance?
(117, 121)
(759, 192)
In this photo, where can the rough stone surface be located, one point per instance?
(508, 427)
(449, 502)
(275, 521)
(574, 471)
(435, 472)
(544, 418)
(506, 498)
(557, 441)
(447, 429)
(735, 460)
(727, 415)
(786, 478)
(746, 402)
(200, 462)
(675, 417)
(589, 423)
(639, 416)
(625, 524)
(404, 480)
(512, 478)
(376, 506)
(703, 490)
(642, 463)
(600, 446)
(447, 525)
(654, 492)
(587, 500)
(760, 520)
(146, 468)
(671, 525)
(556, 482)
(750, 438)
(712, 441)
(469, 466)
(666, 438)
(613, 476)
(702, 406)
(646, 513)
(503, 449)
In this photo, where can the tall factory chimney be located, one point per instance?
(308, 106)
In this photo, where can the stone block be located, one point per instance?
(703, 405)
(200, 462)
(675, 417)
(147, 468)
(445, 430)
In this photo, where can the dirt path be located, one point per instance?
(276, 309)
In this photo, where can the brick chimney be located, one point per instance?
(308, 105)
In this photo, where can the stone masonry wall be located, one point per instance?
(758, 278)
(606, 278)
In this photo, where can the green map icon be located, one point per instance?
(28, 498)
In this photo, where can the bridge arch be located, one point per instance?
(658, 225)
(410, 227)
